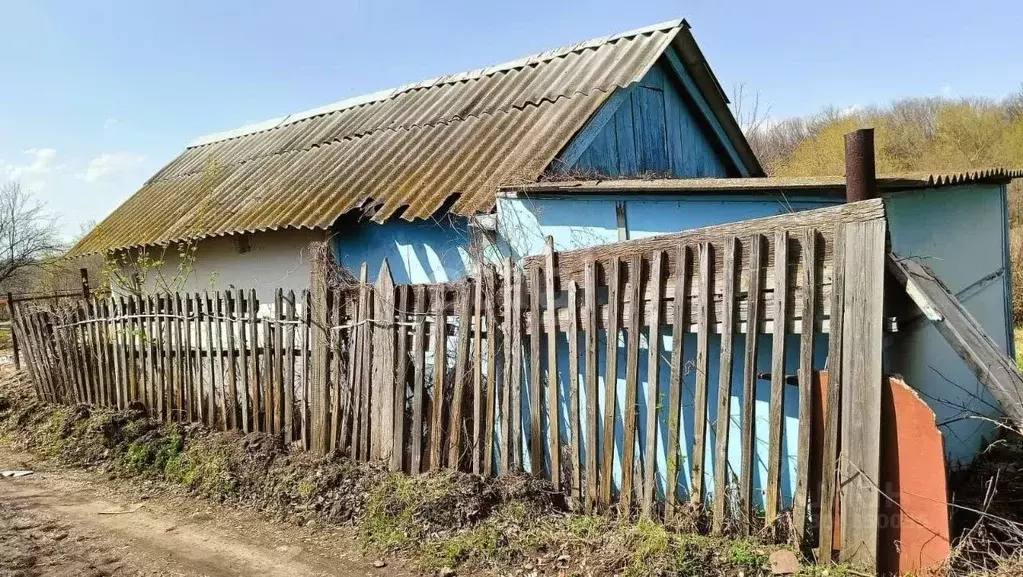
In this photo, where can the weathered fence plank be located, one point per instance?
(515, 359)
(592, 385)
(610, 378)
(629, 409)
(801, 493)
(243, 360)
(507, 352)
(724, 396)
(419, 352)
(308, 404)
(573, 387)
(829, 458)
(861, 364)
(535, 440)
(289, 369)
(382, 397)
(652, 380)
(702, 364)
(680, 321)
(477, 374)
(440, 362)
(553, 405)
(455, 424)
(776, 409)
(749, 385)
(492, 398)
(401, 379)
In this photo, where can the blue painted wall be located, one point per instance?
(582, 221)
(425, 251)
(654, 130)
(961, 233)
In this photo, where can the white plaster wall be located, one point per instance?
(275, 259)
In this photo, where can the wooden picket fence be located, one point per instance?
(514, 368)
(209, 358)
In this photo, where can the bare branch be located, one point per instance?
(28, 232)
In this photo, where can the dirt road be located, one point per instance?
(58, 522)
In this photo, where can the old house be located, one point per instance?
(441, 176)
(404, 173)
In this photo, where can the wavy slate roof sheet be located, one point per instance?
(405, 151)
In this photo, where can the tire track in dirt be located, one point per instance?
(56, 523)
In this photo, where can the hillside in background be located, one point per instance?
(936, 135)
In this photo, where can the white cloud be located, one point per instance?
(109, 164)
(42, 163)
(946, 90)
(110, 122)
(850, 110)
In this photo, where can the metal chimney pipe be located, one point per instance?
(860, 170)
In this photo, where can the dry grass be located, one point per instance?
(443, 519)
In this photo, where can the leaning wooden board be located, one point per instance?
(993, 368)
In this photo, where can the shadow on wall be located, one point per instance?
(424, 251)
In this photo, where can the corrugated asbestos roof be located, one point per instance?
(900, 181)
(404, 151)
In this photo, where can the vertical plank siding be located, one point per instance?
(430, 376)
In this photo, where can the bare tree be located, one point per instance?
(752, 119)
(28, 232)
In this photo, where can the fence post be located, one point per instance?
(318, 338)
(14, 336)
(860, 462)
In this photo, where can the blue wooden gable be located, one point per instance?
(660, 125)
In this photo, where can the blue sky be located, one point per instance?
(98, 95)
